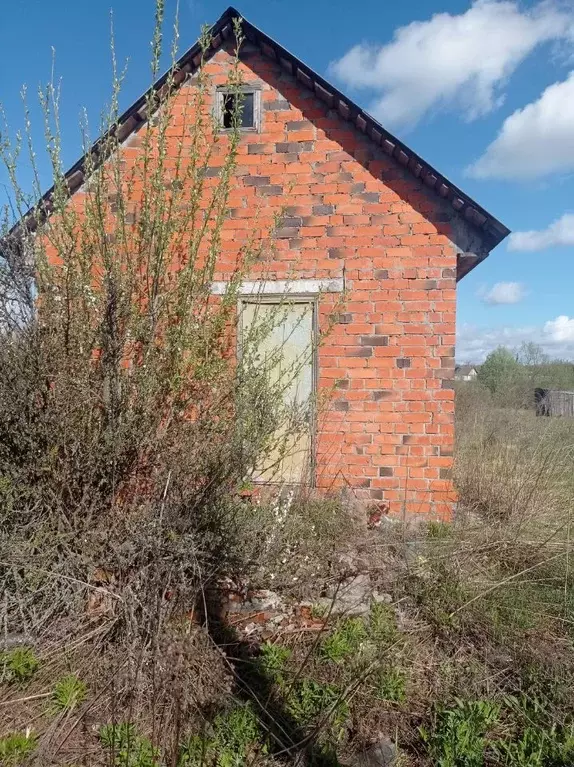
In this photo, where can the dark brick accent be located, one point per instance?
(358, 187)
(385, 471)
(297, 124)
(286, 232)
(345, 319)
(335, 253)
(342, 405)
(375, 340)
(295, 146)
(370, 197)
(403, 362)
(448, 273)
(377, 494)
(210, 172)
(323, 210)
(445, 473)
(430, 284)
(364, 352)
(130, 218)
(342, 383)
(292, 221)
(256, 149)
(271, 190)
(407, 439)
(256, 180)
(381, 274)
(280, 105)
(381, 394)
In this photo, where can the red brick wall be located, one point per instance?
(352, 212)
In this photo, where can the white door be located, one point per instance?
(288, 343)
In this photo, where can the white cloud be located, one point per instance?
(561, 329)
(556, 337)
(534, 141)
(560, 232)
(451, 61)
(503, 293)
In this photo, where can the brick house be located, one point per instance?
(365, 215)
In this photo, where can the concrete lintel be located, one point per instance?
(282, 287)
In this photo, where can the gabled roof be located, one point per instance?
(491, 230)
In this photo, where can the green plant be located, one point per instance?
(15, 747)
(272, 660)
(439, 530)
(68, 693)
(310, 702)
(235, 734)
(382, 625)
(127, 747)
(344, 641)
(20, 664)
(390, 684)
(458, 735)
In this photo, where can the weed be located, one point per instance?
(128, 748)
(344, 641)
(390, 684)
(15, 747)
(439, 530)
(272, 661)
(382, 627)
(310, 700)
(20, 664)
(458, 737)
(236, 733)
(68, 692)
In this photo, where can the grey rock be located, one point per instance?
(351, 596)
(383, 753)
(265, 600)
(382, 597)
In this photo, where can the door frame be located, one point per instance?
(293, 298)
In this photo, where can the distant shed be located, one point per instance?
(554, 403)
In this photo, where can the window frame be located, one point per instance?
(293, 298)
(224, 90)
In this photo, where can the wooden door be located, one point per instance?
(287, 351)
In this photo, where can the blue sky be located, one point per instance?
(479, 89)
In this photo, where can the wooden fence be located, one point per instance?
(554, 403)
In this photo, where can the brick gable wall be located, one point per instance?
(352, 213)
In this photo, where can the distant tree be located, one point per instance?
(530, 353)
(499, 370)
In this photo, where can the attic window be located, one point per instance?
(243, 104)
